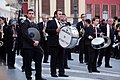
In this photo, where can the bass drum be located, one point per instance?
(68, 37)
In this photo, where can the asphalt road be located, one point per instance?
(78, 71)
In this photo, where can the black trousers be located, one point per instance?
(3, 52)
(81, 50)
(92, 58)
(107, 54)
(67, 53)
(45, 48)
(57, 59)
(10, 54)
(36, 54)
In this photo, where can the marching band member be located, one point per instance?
(109, 32)
(3, 24)
(117, 43)
(53, 29)
(31, 48)
(43, 42)
(87, 25)
(80, 26)
(67, 52)
(90, 34)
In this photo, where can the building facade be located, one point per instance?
(101, 8)
(7, 11)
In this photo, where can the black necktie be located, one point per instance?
(111, 31)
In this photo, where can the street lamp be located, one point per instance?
(38, 12)
(75, 19)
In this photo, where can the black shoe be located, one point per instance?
(98, 65)
(29, 78)
(96, 71)
(90, 71)
(108, 66)
(63, 75)
(23, 70)
(54, 75)
(32, 69)
(66, 67)
(45, 62)
(86, 63)
(43, 79)
(81, 62)
(70, 59)
(11, 67)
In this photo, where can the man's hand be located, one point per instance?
(36, 43)
(90, 37)
(58, 30)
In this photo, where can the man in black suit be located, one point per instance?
(6, 37)
(81, 46)
(57, 55)
(31, 48)
(43, 42)
(109, 32)
(90, 34)
(67, 51)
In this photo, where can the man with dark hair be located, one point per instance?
(31, 48)
(53, 29)
(108, 31)
(91, 33)
(80, 26)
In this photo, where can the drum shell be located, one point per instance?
(105, 42)
(68, 37)
(98, 43)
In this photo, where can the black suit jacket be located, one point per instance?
(53, 39)
(90, 32)
(8, 36)
(27, 41)
(40, 26)
(104, 30)
(79, 26)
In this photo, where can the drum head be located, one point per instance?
(97, 41)
(64, 37)
(34, 34)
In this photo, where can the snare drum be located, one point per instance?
(68, 36)
(98, 43)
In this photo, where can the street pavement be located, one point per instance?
(78, 71)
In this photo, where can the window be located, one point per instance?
(89, 11)
(119, 10)
(46, 7)
(105, 12)
(60, 4)
(97, 10)
(113, 11)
